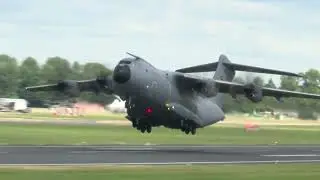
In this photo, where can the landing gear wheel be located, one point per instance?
(143, 129)
(134, 124)
(149, 128)
(193, 131)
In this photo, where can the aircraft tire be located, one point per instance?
(149, 129)
(134, 124)
(193, 131)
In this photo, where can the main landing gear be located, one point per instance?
(141, 126)
(188, 127)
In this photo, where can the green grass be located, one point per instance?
(219, 172)
(73, 134)
(38, 115)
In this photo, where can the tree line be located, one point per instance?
(15, 75)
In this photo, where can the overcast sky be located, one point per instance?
(168, 33)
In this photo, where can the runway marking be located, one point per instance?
(168, 163)
(108, 151)
(125, 149)
(84, 152)
(292, 155)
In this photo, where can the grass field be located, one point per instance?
(73, 134)
(239, 172)
(46, 115)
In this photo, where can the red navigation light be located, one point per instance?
(148, 110)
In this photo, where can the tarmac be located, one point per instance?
(26, 155)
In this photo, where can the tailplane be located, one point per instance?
(235, 67)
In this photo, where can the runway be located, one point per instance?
(156, 154)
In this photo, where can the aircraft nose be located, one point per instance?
(121, 73)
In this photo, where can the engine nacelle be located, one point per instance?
(105, 83)
(69, 87)
(209, 89)
(253, 92)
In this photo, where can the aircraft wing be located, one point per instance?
(95, 85)
(236, 88)
(227, 87)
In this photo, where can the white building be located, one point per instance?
(14, 104)
(117, 106)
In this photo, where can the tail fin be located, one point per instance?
(224, 73)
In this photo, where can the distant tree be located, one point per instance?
(77, 71)
(29, 72)
(258, 81)
(92, 70)
(270, 84)
(56, 69)
(289, 83)
(9, 73)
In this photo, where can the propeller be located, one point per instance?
(104, 85)
(246, 79)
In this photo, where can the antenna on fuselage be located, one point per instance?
(137, 57)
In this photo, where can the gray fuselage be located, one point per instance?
(151, 88)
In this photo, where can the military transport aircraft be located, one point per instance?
(174, 99)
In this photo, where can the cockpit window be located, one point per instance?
(125, 62)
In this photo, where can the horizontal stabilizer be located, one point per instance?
(240, 67)
(223, 60)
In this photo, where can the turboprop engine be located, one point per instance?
(102, 84)
(253, 92)
(208, 89)
(69, 87)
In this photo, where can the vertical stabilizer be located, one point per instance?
(224, 73)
